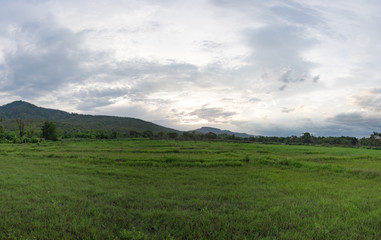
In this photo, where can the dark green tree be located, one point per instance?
(49, 131)
(172, 135)
(20, 124)
(375, 139)
(306, 138)
(210, 135)
(2, 133)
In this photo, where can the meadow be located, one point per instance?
(146, 189)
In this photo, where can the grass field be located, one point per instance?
(141, 189)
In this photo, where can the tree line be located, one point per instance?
(374, 140)
(48, 131)
(306, 138)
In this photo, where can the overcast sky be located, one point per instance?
(260, 67)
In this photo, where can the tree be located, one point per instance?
(49, 131)
(210, 135)
(114, 134)
(1, 129)
(306, 137)
(375, 139)
(172, 135)
(20, 124)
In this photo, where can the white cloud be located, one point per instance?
(157, 31)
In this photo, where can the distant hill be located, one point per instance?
(34, 117)
(219, 131)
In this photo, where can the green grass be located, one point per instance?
(141, 189)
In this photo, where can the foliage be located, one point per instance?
(49, 131)
(21, 126)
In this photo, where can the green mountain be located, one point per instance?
(35, 116)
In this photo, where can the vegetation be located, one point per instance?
(143, 181)
(49, 131)
(142, 189)
(22, 122)
(71, 123)
(32, 130)
(21, 126)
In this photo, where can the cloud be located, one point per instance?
(350, 119)
(336, 126)
(296, 13)
(254, 100)
(369, 99)
(45, 58)
(280, 46)
(48, 59)
(287, 110)
(358, 123)
(212, 114)
(283, 87)
(287, 76)
(210, 45)
(136, 81)
(213, 61)
(90, 99)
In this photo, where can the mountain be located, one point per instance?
(25, 110)
(219, 131)
(34, 116)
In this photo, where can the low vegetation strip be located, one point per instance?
(154, 189)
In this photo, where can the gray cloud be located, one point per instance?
(357, 123)
(144, 78)
(287, 110)
(246, 48)
(135, 80)
(181, 71)
(280, 46)
(368, 99)
(212, 114)
(350, 119)
(254, 100)
(288, 76)
(296, 13)
(45, 58)
(93, 98)
(49, 57)
(340, 125)
(208, 45)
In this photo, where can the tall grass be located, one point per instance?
(126, 189)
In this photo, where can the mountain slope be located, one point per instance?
(25, 110)
(36, 115)
(219, 131)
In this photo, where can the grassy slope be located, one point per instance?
(188, 190)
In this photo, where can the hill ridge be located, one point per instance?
(28, 111)
(219, 131)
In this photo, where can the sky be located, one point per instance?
(274, 68)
